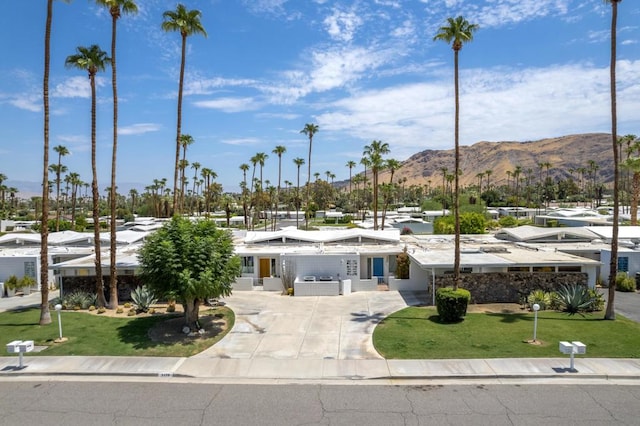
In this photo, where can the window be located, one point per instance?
(352, 268)
(623, 264)
(247, 264)
(569, 269)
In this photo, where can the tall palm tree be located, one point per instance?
(116, 8)
(195, 166)
(350, 164)
(613, 263)
(185, 141)
(93, 59)
(374, 153)
(457, 32)
(62, 151)
(187, 23)
(298, 162)
(392, 165)
(244, 167)
(278, 150)
(74, 179)
(310, 130)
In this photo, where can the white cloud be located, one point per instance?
(29, 102)
(229, 104)
(504, 12)
(496, 104)
(207, 86)
(342, 25)
(241, 141)
(76, 87)
(139, 129)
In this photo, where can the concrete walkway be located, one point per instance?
(285, 339)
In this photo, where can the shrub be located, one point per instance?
(26, 281)
(171, 307)
(627, 284)
(143, 297)
(102, 310)
(402, 265)
(406, 231)
(131, 313)
(127, 305)
(508, 222)
(11, 283)
(92, 308)
(574, 298)
(79, 299)
(119, 310)
(452, 304)
(597, 301)
(540, 297)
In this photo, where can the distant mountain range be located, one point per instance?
(563, 154)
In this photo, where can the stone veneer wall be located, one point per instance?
(509, 287)
(126, 283)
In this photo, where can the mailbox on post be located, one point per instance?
(572, 349)
(19, 347)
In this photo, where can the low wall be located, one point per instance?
(510, 287)
(126, 283)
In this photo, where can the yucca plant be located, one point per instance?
(79, 299)
(143, 298)
(574, 298)
(540, 297)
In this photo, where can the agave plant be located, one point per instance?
(575, 298)
(541, 297)
(143, 298)
(79, 299)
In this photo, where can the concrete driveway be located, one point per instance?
(269, 325)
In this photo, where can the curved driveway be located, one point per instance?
(269, 325)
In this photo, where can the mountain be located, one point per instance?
(563, 154)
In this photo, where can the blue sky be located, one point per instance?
(361, 70)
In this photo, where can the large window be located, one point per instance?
(623, 264)
(247, 265)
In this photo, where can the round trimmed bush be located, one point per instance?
(452, 304)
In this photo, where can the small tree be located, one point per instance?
(402, 265)
(189, 262)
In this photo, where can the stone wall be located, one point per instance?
(126, 283)
(509, 287)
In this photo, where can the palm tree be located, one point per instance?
(457, 32)
(116, 8)
(298, 162)
(244, 167)
(613, 263)
(187, 23)
(278, 150)
(374, 153)
(195, 166)
(74, 179)
(185, 141)
(133, 193)
(350, 164)
(310, 130)
(93, 59)
(392, 165)
(58, 169)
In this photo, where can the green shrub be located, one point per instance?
(597, 300)
(79, 299)
(452, 304)
(508, 222)
(402, 265)
(574, 298)
(11, 283)
(143, 297)
(26, 281)
(626, 285)
(540, 297)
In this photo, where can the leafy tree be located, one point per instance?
(457, 32)
(189, 262)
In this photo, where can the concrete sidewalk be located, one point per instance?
(331, 341)
(238, 370)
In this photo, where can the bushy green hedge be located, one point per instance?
(452, 304)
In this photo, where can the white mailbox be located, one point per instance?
(580, 348)
(25, 346)
(13, 347)
(566, 348)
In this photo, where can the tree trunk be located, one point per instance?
(456, 200)
(635, 190)
(179, 126)
(191, 312)
(113, 273)
(100, 301)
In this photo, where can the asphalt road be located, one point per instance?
(122, 403)
(627, 304)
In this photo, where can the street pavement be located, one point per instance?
(284, 339)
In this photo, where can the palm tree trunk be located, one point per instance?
(45, 314)
(101, 301)
(179, 125)
(613, 263)
(113, 274)
(456, 201)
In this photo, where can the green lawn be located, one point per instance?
(97, 335)
(415, 333)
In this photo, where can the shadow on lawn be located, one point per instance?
(136, 332)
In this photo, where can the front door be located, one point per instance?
(378, 267)
(265, 267)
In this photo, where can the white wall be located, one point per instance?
(15, 265)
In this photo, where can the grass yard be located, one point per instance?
(126, 336)
(415, 333)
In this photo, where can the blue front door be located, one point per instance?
(378, 267)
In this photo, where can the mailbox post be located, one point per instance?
(572, 349)
(20, 347)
